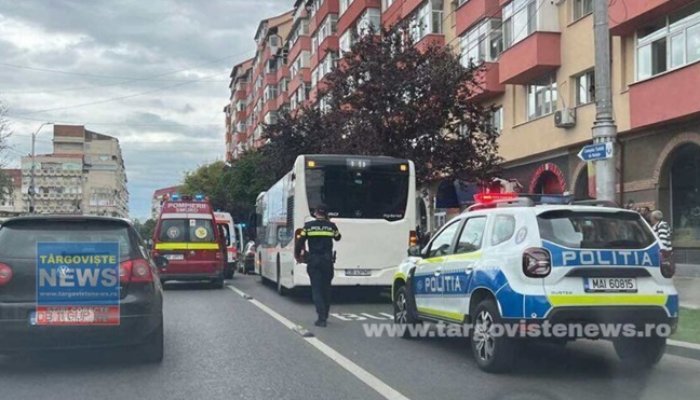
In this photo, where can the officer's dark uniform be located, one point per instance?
(319, 234)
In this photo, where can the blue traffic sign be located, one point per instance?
(597, 151)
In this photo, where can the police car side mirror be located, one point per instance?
(414, 251)
(161, 262)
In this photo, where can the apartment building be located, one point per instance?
(537, 70)
(84, 175)
(159, 195)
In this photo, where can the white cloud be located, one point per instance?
(122, 50)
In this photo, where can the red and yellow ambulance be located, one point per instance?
(187, 236)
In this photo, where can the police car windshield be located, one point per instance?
(20, 240)
(595, 230)
(373, 192)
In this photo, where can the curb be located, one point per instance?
(683, 349)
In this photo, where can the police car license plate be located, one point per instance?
(358, 272)
(610, 284)
(174, 256)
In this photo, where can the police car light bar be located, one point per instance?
(485, 198)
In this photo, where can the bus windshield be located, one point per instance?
(371, 192)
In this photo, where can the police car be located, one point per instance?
(511, 261)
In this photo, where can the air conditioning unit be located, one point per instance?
(565, 118)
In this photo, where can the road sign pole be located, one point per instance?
(604, 128)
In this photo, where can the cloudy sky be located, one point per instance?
(153, 73)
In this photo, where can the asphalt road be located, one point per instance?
(220, 345)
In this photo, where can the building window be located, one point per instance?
(344, 4)
(427, 20)
(481, 43)
(270, 93)
(324, 67)
(582, 8)
(585, 88)
(370, 21)
(387, 3)
(497, 119)
(519, 21)
(542, 97)
(346, 40)
(671, 43)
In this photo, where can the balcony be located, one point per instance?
(329, 44)
(489, 84)
(430, 40)
(627, 16)
(328, 7)
(474, 11)
(680, 85)
(304, 76)
(354, 12)
(530, 58)
(303, 43)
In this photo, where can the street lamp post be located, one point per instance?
(32, 190)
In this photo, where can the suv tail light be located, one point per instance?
(668, 266)
(5, 274)
(412, 239)
(537, 262)
(137, 270)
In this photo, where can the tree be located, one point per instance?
(233, 188)
(5, 132)
(387, 97)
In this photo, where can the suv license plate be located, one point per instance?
(620, 285)
(358, 272)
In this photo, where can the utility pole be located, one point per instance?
(32, 189)
(604, 128)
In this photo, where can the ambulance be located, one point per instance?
(224, 221)
(186, 236)
(557, 272)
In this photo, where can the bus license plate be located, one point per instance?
(610, 284)
(175, 257)
(358, 272)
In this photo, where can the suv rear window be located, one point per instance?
(595, 230)
(19, 240)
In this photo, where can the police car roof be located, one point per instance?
(542, 208)
(68, 218)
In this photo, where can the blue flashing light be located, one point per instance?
(199, 197)
(175, 197)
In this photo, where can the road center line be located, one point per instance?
(360, 373)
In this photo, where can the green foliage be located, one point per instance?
(146, 228)
(233, 188)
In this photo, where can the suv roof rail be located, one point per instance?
(596, 203)
(515, 202)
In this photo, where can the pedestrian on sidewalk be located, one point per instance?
(319, 259)
(662, 229)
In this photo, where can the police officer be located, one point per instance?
(319, 259)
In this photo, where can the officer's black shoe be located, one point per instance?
(320, 323)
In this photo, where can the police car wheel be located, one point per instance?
(640, 352)
(402, 315)
(491, 353)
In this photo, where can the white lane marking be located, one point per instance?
(687, 345)
(360, 373)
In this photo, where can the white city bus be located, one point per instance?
(371, 199)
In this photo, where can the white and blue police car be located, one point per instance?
(509, 260)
